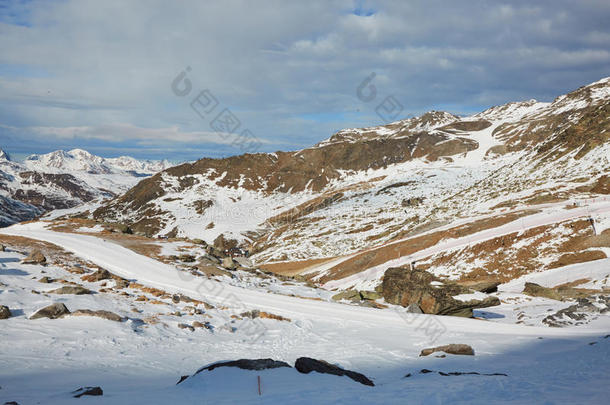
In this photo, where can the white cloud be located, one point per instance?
(102, 70)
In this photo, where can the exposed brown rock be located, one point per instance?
(459, 349)
(536, 290)
(99, 275)
(111, 316)
(5, 313)
(35, 257)
(72, 289)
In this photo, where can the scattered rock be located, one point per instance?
(457, 373)
(414, 309)
(255, 313)
(459, 349)
(35, 257)
(243, 261)
(92, 391)
(228, 263)
(486, 287)
(53, 311)
(71, 289)
(535, 290)
(223, 244)
(350, 295)
(45, 280)
(411, 202)
(187, 258)
(2, 248)
(584, 311)
(5, 313)
(111, 316)
(186, 326)
(306, 365)
(99, 275)
(405, 286)
(369, 295)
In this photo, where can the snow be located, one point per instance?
(141, 365)
(594, 270)
(554, 213)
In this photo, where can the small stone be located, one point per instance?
(5, 313)
(228, 263)
(185, 326)
(45, 280)
(92, 391)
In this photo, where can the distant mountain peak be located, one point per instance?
(4, 156)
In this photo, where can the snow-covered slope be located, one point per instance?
(366, 187)
(139, 361)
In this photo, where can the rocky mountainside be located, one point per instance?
(365, 187)
(61, 180)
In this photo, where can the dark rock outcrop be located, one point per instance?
(247, 364)
(459, 349)
(403, 286)
(5, 313)
(52, 311)
(306, 365)
(92, 391)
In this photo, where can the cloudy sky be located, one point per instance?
(274, 75)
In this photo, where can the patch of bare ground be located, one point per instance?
(375, 256)
(511, 256)
(293, 268)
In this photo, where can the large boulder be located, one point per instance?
(406, 287)
(53, 311)
(459, 349)
(306, 365)
(5, 313)
(535, 290)
(35, 257)
(71, 289)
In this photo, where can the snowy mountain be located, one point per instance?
(62, 180)
(426, 260)
(369, 186)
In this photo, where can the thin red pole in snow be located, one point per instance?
(259, 385)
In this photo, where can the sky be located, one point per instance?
(190, 79)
